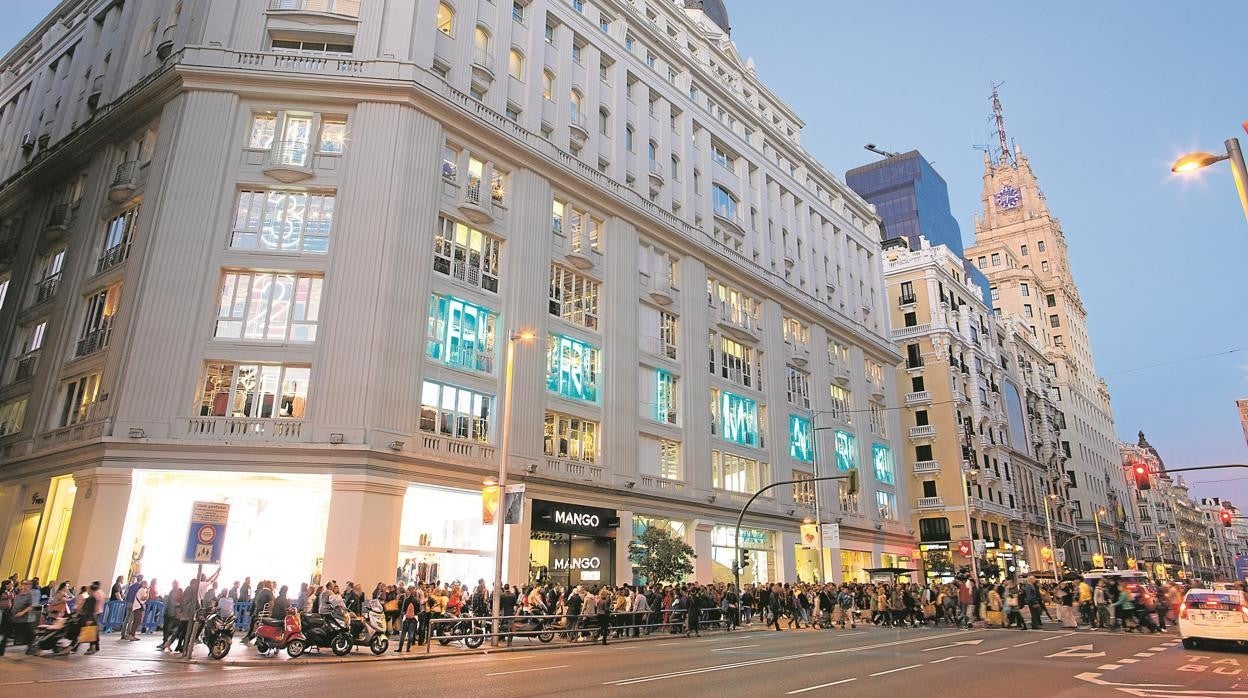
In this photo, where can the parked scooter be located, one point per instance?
(532, 625)
(370, 629)
(218, 634)
(326, 630)
(273, 634)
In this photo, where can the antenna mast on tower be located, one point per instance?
(1006, 156)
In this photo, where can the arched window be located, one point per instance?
(548, 85)
(515, 64)
(628, 138)
(675, 169)
(604, 121)
(481, 39)
(574, 105)
(446, 19)
(652, 151)
(724, 203)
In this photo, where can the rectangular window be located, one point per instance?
(846, 450)
(460, 334)
(467, 255)
(801, 444)
(996, 259)
(840, 406)
(78, 396)
(982, 262)
(887, 503)
(803, 488)
(12, 416)
(734, 473)
(665, 397)
(4, 289)
(573, 297)
(882, 459)
(996, 293)
(1024, 289)
(571, 437)
(517, 11)
(255, 391)
(1040, 246)
(1044, 265)
(718, 154)
(97, 320)
(572, 368)
(263, 128)
(798, 387)
(287, 221)
(933, 530)
(739, 419)
(455, 412)
(669, 460)
(333, 138)
(1050, 300)
(668, 339)
(1023, 250)
(262, 306)
(118, 235)
(878, 419)
(450, 163)
(1027, 310)
(1054, 321)
(737, 363)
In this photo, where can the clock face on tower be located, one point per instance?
(1008, 197)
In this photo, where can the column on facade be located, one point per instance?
(516, 546)
(775, 357)
(362, 541)
(623, 536)
(703, 565)
(618, 308)
(693, 325)
(97, 526)
(184, 226)
(526, 258)
(374, 329)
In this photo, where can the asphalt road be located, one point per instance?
(864, 662)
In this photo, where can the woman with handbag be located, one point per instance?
(90, 630)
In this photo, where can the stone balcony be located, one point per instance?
(242, 429)
(929, 503)
(926, 467)
(922, 397)
(926, 431)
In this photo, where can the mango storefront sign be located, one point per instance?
(558, 517)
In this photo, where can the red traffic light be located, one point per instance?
(1226, 517)
(1140, 472)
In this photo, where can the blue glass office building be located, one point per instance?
(912, 200)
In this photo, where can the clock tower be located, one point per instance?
(1021, 247)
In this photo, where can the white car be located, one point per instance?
(1213, 614)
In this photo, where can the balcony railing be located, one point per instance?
(929, 503)
(922, 432)
(347, 8)
(469, 450)
(918, 398)
(62, 216)
(47, 288)
(655, 346)
(112, 257)
(124, 173)
(907, 299)
(244, 429)
(911, 331)
(926, 466)
(26, 365)
(662, 484)
(570, 469)
(290, 153)
(96, 339)
(482, 58)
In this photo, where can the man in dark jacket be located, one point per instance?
(774, 606)
(1031, 599)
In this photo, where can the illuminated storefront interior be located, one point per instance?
(442, 538)
(761, 545)
(853, 565)
(36, 541)
(276, 527)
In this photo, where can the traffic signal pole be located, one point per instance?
(852, 476)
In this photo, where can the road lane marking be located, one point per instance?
(1143, 654)
(1109, 667)
(955, 644)
(666, 644)
(893, 671)
(999, 649)
(768, 660)
(955, 656)
(1024, 644)
(822, 685)
(1156, 649)
(521, 671)
(738, 647)
(1128, 661)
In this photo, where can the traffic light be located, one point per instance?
(1225, 516)
(851, 484)
(745, 559)
(1140, 472)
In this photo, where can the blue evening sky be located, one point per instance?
(1102, 96)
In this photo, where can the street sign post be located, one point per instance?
(206, 536)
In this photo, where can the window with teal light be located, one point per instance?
(461, 334)
(882, 457)
(801, 446)
(572, 368)
(665, 397)
(739, 418)
(887, 502)
(846, 450)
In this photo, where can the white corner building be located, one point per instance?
(269, 253)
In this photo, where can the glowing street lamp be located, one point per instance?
(1198, 160)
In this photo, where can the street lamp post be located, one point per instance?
(1198, 160)
(503, 457)
(1100, 544)
(1048, 522)
(970, 527)
(814, 461)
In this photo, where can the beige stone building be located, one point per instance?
(1021, 247)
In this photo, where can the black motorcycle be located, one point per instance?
(531, 625)
(218, 634)
(324, 630)
(465, 629)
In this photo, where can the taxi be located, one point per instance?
(1213, 614)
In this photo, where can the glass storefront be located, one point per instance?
(854, 564)
(442, 538)
(762, 547)
(276, 527)
(807, 560)
(572, 544)
(642, 522)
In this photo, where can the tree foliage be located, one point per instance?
(660, 557)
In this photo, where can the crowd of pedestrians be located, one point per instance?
(597, 613)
